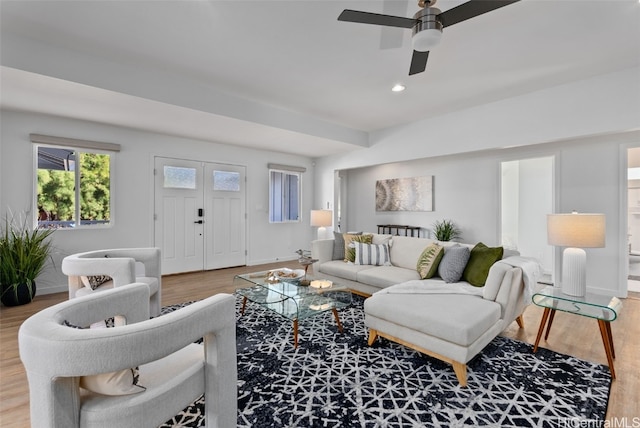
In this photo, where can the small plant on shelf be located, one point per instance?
(445, 230)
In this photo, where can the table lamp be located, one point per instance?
(575, 231)
(321, 219)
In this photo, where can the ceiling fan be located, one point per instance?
(426, 24)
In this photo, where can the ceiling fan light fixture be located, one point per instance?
(398, 87)
(427, 32)
(426, 40)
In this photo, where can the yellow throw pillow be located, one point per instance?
(350, 250)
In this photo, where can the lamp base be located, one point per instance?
(322, 232)
(574, 272)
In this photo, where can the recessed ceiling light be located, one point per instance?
(398, 87)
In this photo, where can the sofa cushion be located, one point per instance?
(453, 263)
(349, 250)
(405, 250)
(385, 276)
(429, 260)
(343, 270)
(381, 239)
(480, 261)
(456, 318)
(370, 254)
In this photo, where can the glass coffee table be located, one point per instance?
(291, 300)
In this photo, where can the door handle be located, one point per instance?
(199, 221)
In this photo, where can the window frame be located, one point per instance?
(284, 199)
(77, 180)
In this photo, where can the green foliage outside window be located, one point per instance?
(57, 195)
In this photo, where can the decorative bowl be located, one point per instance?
(286, 274)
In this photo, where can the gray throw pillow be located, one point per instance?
(453, 263)
(338, 246)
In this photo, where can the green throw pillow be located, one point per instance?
(429, 259)
(480, 261)
(350, 251)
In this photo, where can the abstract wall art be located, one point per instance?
(405, 194)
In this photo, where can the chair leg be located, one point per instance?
(520, 321)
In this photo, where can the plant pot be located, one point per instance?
(18, 295)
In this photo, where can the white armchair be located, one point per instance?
(174, 370)
(122, 265)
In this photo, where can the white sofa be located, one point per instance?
(449, 321)
(367, 279)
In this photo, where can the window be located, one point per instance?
(228, 181)
(176, 177)
(284, 196)
(73, 187)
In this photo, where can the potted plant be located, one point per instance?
(445, 230)
(23, 254)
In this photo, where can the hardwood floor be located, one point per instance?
(572, 335)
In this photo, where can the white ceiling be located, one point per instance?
(295, 57)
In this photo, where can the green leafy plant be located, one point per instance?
(23, 254)
(445, 230)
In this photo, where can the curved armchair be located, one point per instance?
(174, 370)
(119, 264)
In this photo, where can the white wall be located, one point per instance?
(133, 188)
(585, 123)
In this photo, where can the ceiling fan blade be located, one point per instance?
(418, 62)
(376, 19)
(471, 9)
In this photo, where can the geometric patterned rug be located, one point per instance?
(337, 380)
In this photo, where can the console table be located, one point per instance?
(382, 228)
(603, 308)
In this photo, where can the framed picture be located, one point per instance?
(405, 194)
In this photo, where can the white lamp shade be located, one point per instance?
(321, 218)
(578, 230)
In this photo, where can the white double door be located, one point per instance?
(200, 215)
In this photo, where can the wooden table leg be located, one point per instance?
(607, 340)
(553, 314)
(335, 315)
(613, 351)
(244, 305)
(295, 334)
(543, 321)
